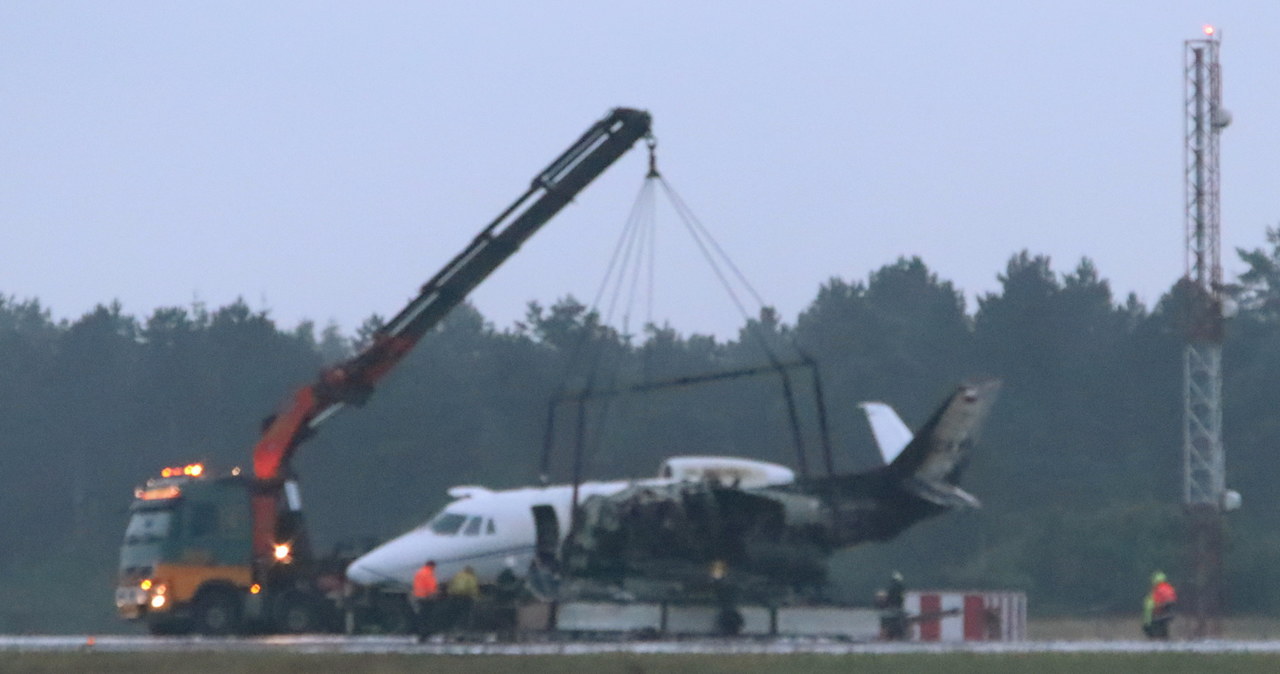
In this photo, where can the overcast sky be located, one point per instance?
(322, 159)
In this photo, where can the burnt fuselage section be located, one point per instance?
(780, 535)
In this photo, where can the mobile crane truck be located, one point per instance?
(226, 554)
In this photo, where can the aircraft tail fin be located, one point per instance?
(891, 435)
(931, 463)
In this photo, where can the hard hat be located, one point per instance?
(1157, 577)
(896, 575)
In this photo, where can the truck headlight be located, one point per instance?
(282, 552)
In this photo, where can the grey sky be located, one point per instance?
(323, 159)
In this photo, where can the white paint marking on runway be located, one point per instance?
(318, 644)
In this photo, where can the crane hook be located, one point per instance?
(652, 144)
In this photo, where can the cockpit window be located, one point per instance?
(489, 531)
(473, 527)
(447, 524)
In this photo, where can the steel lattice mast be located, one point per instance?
(1204, 459)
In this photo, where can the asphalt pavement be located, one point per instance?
(407, 645)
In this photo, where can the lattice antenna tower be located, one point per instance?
(1204, 459)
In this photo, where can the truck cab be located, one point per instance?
(183, 559)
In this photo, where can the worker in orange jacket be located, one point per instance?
(1157, 607)
(426, 590)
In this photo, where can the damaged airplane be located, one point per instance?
(750, 517)
(657, 539)
(491, 530)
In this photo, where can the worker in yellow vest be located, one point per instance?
(464, 588)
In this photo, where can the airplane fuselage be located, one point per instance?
(492, 530)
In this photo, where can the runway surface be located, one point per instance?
(313, 644)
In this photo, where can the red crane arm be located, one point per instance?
(353, 381)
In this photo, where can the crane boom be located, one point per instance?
(351, 382)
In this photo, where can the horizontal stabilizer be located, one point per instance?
(941, 493)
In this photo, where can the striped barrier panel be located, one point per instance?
(967, 616)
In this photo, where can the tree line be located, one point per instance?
(1079, 467)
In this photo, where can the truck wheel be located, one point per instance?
(298, 614)
(729, 621)
(217, 613)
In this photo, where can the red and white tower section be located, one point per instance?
(1205, 495)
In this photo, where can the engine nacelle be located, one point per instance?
(726, 470)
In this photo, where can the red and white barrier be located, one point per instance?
(967, 616)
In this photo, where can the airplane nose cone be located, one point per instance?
(375, 566)
(359, 573)
(394, 561)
